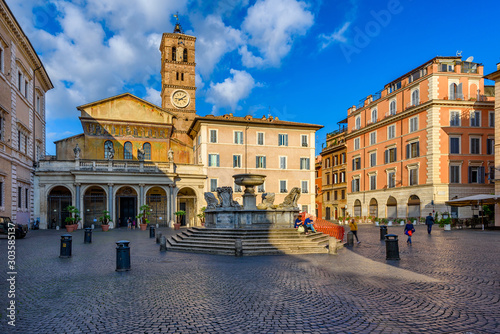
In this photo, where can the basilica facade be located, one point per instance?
(132, 152)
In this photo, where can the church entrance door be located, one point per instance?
(127, 209)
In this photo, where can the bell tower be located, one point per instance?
(178, 93)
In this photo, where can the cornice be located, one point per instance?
(175, 62)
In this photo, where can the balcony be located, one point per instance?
(114, 166)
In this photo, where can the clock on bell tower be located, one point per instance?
(178, 93)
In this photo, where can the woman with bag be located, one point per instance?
(409, 230)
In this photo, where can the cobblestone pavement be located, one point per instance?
(445, 283)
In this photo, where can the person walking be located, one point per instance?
(429, 221)
(129, 223)
(353, 226)
(409, 230)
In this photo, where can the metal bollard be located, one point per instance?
(152, 231)
(87, 238)
(350, 238)
(391, 247)
(238, 247)
(122, 255)
(65, 246)
(383, 232)
(158, 237)
(163, 244)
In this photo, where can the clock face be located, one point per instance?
(180, 99)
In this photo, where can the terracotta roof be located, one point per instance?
(253, 120)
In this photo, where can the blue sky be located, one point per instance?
(303, 61)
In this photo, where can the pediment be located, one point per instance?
(125, 107)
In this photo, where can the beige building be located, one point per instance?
(283, 151)
(23, 84)
(132, 152)
(496, 77)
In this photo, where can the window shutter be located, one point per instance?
(218, 161)
(353, 164)
(480, 177)
(470, 174)
(264, 162)
(418, 149)
(352, 186)
(386, 156)
(452, 91)
(395, 154)
(257, 162)
(407, 151)
(459, 91)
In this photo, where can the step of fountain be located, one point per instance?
(254, 241)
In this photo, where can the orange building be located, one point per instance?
(426, 138)
(334, 186)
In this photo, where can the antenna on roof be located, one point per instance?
(269, 113)
(470, 59)
(459, 53)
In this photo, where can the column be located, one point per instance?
(141, 195)
(173, 203)
(77, 196)
(169, 206)
(110, 201)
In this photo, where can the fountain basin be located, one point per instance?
(249, 180)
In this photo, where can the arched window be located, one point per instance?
(374, 115)
(174, 53)
(392, 108)
(185, 55)
(147, 151)
(415, 97)
(127, 153)
(358, 123)
(108, 147)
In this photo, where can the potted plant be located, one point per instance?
(445, 221)
(201, 215)
(72, 221)
(143, 216)
(105, 219)
(178, 214)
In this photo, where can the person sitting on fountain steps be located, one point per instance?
(308, 225)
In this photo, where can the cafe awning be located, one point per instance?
(481, 199)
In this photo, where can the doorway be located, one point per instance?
(127, 209)
(182, 206)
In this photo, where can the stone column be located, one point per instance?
(77, 196)
(173, 196)
(43, 206)
(110, 201)
(141, 194)
(169, 206)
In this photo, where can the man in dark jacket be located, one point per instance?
(429, 221)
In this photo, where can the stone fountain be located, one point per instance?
(224, 212)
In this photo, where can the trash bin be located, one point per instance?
(383, 232)
(122, 255)
(87, 239)
(391, 247)
(66, 241)
(151, 231)
(350, 238)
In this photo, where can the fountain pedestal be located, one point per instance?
(249, 181)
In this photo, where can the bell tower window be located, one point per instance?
(174, 53)
(182, 76)
(185, 55)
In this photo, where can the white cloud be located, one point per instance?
(229, 92)
(213, 40)
(271, 26)
(153, 96)
(337, 36)
(104, 47)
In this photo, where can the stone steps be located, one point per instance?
(254, 242)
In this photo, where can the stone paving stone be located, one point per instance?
(448, 282)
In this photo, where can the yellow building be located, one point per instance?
(23, 84)
(132, 152)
